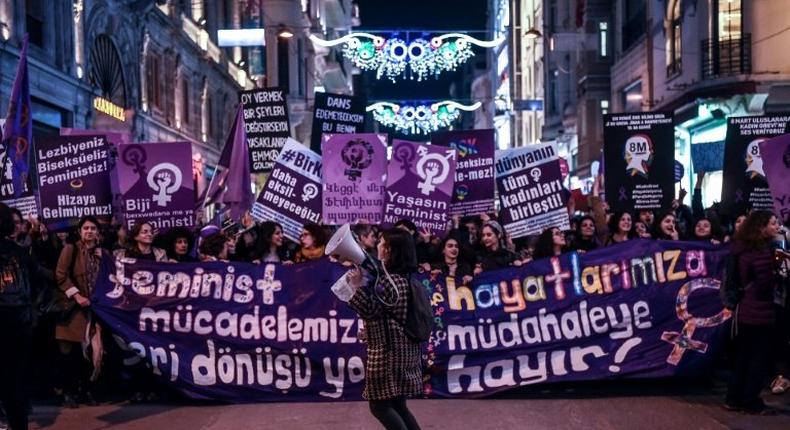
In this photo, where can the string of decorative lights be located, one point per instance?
(419, 118)
(391, 57)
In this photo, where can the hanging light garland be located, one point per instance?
(421, 118)
(391, 57)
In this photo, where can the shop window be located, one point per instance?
(34, 21)
(674, 41)
(634, 22)
(632, 97)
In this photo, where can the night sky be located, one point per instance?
(442, 15)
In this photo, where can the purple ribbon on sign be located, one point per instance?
(738, 196)
(622, 194)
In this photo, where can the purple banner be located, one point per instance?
(267, 125)
(292, 194)
(73, 180)
(473, 192)
(776, 164)
(238, 332)
(155, 180)
(420, 182)
(530, 190)
(355, 167)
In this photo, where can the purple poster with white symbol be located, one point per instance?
(73, 180)
(473, 192)
(776, 164)
(155, 180)
(355, 169)
(292, 194)
(420, 181)
(744, 185)
(530, 190)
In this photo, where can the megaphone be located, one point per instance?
(344, 246)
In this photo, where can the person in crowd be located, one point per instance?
(707, 230)
(646, 216)
(270, 247)
(641, 230)
(422, 239)
(451, 262)
(494, 253)
(76, 273)
(179, 245)
(214, 248)
(392, 367)
(313, 242)
(664, 226)
(17, 273)
(18, 234)
(472, 224)
(551, 243)
(585, 238)
(141, 240)
(620, 228)
(367, 237)
(753, 317)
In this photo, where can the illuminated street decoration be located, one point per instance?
(423, 57)
(419, 119)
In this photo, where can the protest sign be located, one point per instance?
(473, 192)
(776, 164)
(292, 194)
(237, 332)
(73, 180)
(354, 173)
(707, 156)
(530, 190)
(155, 181)
(419, 185)
(266, 124)
(640, 155)
(336, 114)
(744, 186)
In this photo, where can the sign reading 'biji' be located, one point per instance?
(292, 194)
(744, 186)
(267, 126)
(640, 157)
(355, 167)
(530, 190)
(155, 181)
(473, 192)
(420, 182)
(73, 179)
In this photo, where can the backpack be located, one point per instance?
(419, 314)
(731, 291)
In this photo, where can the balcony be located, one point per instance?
(726, 57)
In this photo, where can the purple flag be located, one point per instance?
(776, 164)
(420, 182)
(232, 190)
(530, 189)
(15, 184)
(473, 192)
(155, 180)
(292, 194)
(355, 167)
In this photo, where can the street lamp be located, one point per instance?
(284, 32)
(533, 33)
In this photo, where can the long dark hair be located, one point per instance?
(656, 230)
(614, 224)
(318, 233)
(266, 230)
(177, 233)
(544, 246)
(131, 238)
(750, 235)
(715, 229)
(402, 253)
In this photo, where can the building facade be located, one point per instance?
(703, 60)
(154, 70)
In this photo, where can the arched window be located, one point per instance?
(106, 71)
(673, 36)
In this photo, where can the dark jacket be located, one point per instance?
(17, 270)
(492, 260)
(462, 269)
(757, 276)
(393, 364)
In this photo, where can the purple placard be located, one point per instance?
(473, 192)
(73, 179)
(776, 164)
(530, 190)
(355, 168)
(292, 194)
(420, 181)
(155, 180)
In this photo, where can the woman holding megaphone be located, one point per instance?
(392, 370)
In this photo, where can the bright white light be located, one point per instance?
(242, 37)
